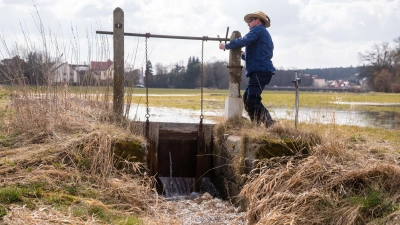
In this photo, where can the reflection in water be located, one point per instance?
(388, 120)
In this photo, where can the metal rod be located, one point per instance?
(226, 37)
(296, 83)
(206, 38)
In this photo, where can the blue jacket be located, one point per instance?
(259, 49)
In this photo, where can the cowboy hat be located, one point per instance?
(260, 15)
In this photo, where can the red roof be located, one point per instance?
(94, 65)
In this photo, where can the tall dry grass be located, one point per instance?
(335, 184)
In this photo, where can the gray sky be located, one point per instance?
(306, 33)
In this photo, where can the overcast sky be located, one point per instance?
(306, 33)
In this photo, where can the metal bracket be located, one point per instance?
(233, 67)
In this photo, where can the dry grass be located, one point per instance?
(63, 147)
(343, 181)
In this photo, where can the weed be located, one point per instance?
(129, 221)
(10, 195)
(3, 210)
(100, 213)
(373, 204)
(7, 141)
(59, 199)
(357, 138)
(58, 165)
(78, 211)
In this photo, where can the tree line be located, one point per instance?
(216, 75)
(381, 68)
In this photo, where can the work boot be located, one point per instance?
(269, 123)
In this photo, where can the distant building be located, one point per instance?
(331, 83)
(63, 73)
(80, 71)
(68, 73)
(319, 82)
(101, 72)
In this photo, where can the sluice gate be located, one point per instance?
(178, 150)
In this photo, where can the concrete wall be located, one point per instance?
(234, 158)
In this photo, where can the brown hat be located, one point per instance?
(260, 15)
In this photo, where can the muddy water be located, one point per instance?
(325, 116)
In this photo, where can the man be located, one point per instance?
(259, 67)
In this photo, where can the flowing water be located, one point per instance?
(177, 186)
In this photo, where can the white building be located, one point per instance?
(319, 82)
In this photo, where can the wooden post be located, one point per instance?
(118, 100)
(234, 103)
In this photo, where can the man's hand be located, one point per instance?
(222, 46)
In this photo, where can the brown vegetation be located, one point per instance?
(57, 159)
(344, 180)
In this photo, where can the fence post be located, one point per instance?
(118, 34)
(234, 103)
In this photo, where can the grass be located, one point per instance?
(78, 175)
(215, 99)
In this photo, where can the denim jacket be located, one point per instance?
(259, 49)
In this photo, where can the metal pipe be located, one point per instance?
(206, 38)
(296, 83)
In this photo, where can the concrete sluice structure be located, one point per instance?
(179, 157)
(182, 165)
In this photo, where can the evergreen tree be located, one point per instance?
(149, 72)
(149, 68)
(192, 73)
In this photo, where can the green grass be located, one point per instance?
(85, 211)
(18, 194)
(373, 204)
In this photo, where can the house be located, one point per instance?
(80, 71)
(101, 72)
(319, 82)
(63, 73)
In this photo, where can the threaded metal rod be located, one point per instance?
(206, 38)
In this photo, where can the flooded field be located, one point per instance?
(306, 115)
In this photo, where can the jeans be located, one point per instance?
(252, 97)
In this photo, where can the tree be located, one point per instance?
(34, 72)
(176, 75)
(149, 73)
(160, 69)
(149, 68)
(383, 80)
(13, 71)
(382, 67)
(191, 77)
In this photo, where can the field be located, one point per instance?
(57, 163)
(214, 99)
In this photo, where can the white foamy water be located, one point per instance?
(203, 209)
